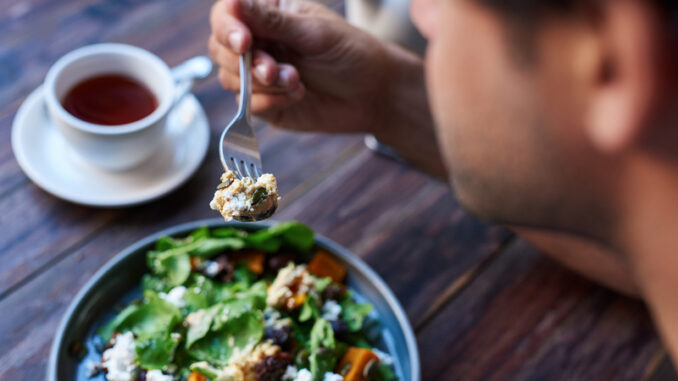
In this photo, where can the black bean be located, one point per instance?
(273, 367)
(333, 291)
(279, 335)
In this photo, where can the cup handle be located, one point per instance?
(187, 73)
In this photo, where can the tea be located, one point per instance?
(110, 99)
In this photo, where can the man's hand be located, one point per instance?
(312, 71)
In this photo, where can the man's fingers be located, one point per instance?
(265, 20)
(228, 30)
(265, 69)
(267, 105)
(231, 81)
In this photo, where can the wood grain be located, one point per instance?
(527, 318)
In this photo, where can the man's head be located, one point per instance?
(540, 105)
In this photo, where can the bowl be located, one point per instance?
(117, 282)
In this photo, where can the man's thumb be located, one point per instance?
(267, 21)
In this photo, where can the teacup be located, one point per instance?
(123, 146)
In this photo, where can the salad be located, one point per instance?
(223, 304)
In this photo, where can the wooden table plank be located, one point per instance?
(527, 318)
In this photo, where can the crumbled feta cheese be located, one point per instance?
(156, 375)
(329, 376)
(331, 310)
(290, 373)
(304, 375)
(175, 296)
(246, 199)
(289, 278)
(211, 268)
(384, 358)
(119, 359)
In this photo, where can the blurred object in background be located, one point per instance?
(388, 20)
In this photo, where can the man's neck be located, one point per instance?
(649, 236)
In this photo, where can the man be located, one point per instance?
(558, 118)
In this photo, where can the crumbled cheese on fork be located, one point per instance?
(246, 199)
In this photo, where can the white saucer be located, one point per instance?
(49, 161)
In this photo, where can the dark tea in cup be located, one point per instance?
(110, 100)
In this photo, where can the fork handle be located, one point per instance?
(245, 85)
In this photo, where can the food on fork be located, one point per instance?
(246, 199)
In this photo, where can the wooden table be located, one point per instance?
(483, 303)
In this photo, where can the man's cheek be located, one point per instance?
(424, 15)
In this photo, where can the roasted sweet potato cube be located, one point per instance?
(355, 362)
(254, 259)
(323, 265)
(195, 376)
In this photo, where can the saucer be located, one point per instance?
(47, 159)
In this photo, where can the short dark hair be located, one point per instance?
(524, 17)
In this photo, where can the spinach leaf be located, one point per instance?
(354, 314)
(384, 372)
(211, 246)
(294, 234)
(228, 232)
(217, 346)
(153, 283)
(309, 310)
(242, 274)
(155, 352)
(200, 233)
(194, 300)
(323, 358)
(153, 317)
(201, 322)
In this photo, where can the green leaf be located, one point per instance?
(107, 330)
(154, 317)
(155, 352)
(199, 329)
(217, 346)
(211, 246)
(228, 232)
(309, 310)
(155, 284)
(323, 358)
(322, 283)
(384, 372)
(176, 269)
(167, 243)
(200, 233)
(353, 313)
(205, 369)
(294, 234)
(243, 274)
(195, 300)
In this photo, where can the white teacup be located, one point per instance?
(123, 146)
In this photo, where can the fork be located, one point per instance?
(239, 150)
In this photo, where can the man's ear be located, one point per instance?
(626, 80)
